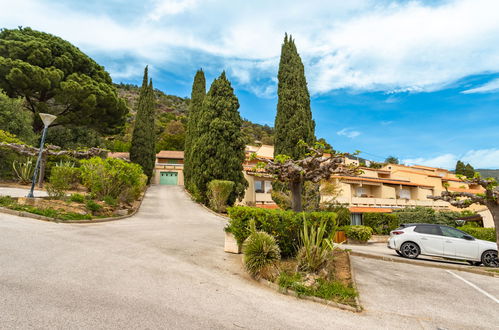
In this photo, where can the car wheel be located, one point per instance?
(410, 250)
(399, 253)
(474, 263)
(489, 258)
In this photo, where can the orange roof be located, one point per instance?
(390, 181)
(472, 191)
(369, 210)
(452, 179)
(170, 154)
(420, 173)
(373, 169)
(120, 155)
(429, 168)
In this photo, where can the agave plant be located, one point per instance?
(316, 246)
(24, 170)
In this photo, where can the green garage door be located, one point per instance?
(169, 178)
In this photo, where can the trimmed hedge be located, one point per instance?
(381, 223)
(359, 233)
(285, 226)
(487, 234)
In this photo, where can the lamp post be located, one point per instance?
(47, 120)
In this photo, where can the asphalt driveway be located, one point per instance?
(165, 268)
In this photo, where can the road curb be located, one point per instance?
(405, 261)
(25, 214)
(205, 207)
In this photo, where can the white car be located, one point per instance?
(411, 240)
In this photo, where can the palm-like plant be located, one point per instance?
(316, 246)
(24, 170)
(261, 254)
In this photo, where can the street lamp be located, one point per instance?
(47, 120)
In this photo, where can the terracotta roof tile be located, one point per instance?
(369, 210)
(170, 154)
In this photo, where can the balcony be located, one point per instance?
(389, 202)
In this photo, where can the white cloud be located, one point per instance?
(348, 133)
(491, 86)
(483, 158)
(362, 45)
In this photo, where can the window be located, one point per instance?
(361, 192)
(268, 186)
(259, 187)
(430, 230)
(356, 219)
(452, 232)
(405, 193)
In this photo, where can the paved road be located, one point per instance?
(19, 192)
(165, 268)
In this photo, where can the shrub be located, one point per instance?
(359, 233)
(6, 200)
(113, 177)
(110, 200)
(62, 179)
(92, 206)
(261, 253)
(77, 198)
(426, 215)
(487, 234)
(285, 226)
(218, 194)
(315, 248)
(24, 170)
(381, 223)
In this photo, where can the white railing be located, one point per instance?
(387, 202)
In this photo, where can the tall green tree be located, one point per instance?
(469, 171)
(15, 119)
(142, 149)
(460, 168)
(293, 122)
(218, 153)
(191, 135)
(391, 160)
(56, 77)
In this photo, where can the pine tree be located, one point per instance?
(142, 149)
(460, 168)
(293, 121)
(218, 153)
(469, 171)
(197, 96)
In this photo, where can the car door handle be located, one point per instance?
(424, 238)
(448, 241)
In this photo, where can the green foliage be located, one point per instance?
(218, 152)
(8, 156)
(487, 234)
(92, 206)
(24, 170)
(110, 201)
(15, 119)
(113, 177)
(256, 134)
(420, 214)
(77, 198)
(469, 171)
(192, 133)
(358, 233)
(285, 226)
(392, 160)
(381, 223)
(6, 201)
(50, 213)
(62, 179)
(172, 138)
(329, 290)
(293, 120)
(316, 246)
(218, 194)
(460, 168)
(74, 137)
(56, 77)
(143, 149)
(261, 253)
(281, 195)
(343, 213)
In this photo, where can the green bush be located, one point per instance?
(24, 170)
(77, 198)
(358, 233)
(344, 215)
(110, 201)
(381, 223)
(113, 177)
(487, 234)
(218, 194)
(92, 206)
(285, 226)
(62, 179)
(6, 201)
(315, 248)
(421, 214)
(261, 254)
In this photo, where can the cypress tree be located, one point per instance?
(218, 153)
(293, 121)
(142, 149)
(460, 168)
(469, 171)
(197, 96)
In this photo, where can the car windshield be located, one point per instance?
(452, 232)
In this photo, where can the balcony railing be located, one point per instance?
(388, 202)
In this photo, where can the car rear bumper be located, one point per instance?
(391, 244)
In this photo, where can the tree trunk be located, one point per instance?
(494, 209)
(296, 202)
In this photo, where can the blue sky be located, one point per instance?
(418, 80)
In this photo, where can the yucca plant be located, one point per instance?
(261, 254)
(316, 246)
(24, 170)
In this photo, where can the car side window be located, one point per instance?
(452, 232)
(430, 230)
